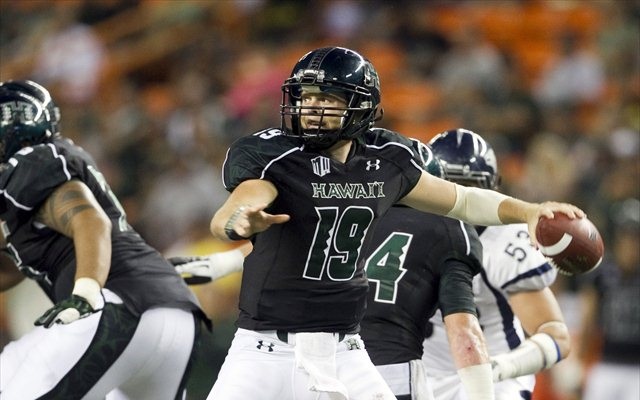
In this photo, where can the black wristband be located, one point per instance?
(233, 235)
(228, 228)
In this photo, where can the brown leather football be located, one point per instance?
(573, 245)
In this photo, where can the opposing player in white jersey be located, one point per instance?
(520, 317)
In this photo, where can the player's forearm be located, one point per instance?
(487, 207)
(470, 204)
(549, 343)
(539, 312)
(92, 244)
(535, 354)
(470, 355)
(233, 217)
(559, 331)
(512, 210)
(222, 219)
(466, 340)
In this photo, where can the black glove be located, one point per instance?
(66, 311)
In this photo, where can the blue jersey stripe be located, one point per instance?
(510, 333)
(541, 270)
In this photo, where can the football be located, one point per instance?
(574, 246)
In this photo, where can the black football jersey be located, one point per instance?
(410, 254)
(304, 275)
(138, 274)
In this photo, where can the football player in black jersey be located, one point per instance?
(417, 262)
(123, 322)
(420, 262)
(307, 195)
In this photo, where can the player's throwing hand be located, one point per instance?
(246, 221)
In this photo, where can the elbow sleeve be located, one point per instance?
(477, 206)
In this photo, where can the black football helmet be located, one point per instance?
(39, 92)
(24, 121)
(467, 158)
(338, 71)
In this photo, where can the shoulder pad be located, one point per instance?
(380, 136)
(37, 171)
(249, 156)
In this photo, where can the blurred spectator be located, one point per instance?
(95, 11)
(254, 94)
(612, 316)
(423, 44)
(576, 77)
(179, 198)
(619, 40)
(549, 171)
(71, 57)
(342, 20)
(193, 124)
(624, 142)
(517, 114)
(472, 62)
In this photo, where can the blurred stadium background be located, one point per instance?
(158, 89)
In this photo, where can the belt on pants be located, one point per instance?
(284, 336)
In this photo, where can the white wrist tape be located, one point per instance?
(225, 263)
(477, 381)
(89, 289)
(477, 206)
(538, 352)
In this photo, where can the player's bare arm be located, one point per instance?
(481, 206)
(242, 215)
(469, 352)
(548, 339)
(466, 340)
(539, 312)
(73, 211)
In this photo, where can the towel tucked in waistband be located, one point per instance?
(316, 354)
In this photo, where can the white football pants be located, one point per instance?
(151, 366)
(260, 366)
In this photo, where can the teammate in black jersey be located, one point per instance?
(307, 194)
(420, 262)
(123, 323)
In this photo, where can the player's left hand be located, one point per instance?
(193, 270)
(547, 210)
(204, 269)
(66, 311)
